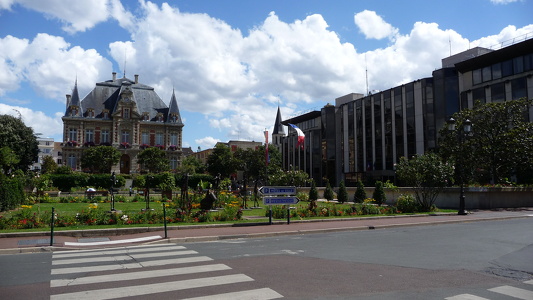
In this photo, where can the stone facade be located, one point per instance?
(125, 114)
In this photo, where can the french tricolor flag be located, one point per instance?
(301, 135)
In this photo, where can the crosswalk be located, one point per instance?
(505, 290)
(153, 271)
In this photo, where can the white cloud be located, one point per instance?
(373, 26)
(503, 1)
(207, 142)
(38, 120)
(49, 64)
(84, 15)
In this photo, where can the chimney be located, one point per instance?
(136, 78)
(68, 99)
(114, 76)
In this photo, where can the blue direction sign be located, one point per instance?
(280, 200)
(277, 190)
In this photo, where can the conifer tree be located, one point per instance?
(360, 194)
(343, 194)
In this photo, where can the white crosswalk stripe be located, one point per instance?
(508, 291)
(86, 274)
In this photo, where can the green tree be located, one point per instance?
(328, 192)
(379, 194)
(221, 161)
(498, 147)
(343, 193)
(8, 160)
(49, 165)
(192, 165)
(427, 174)
(313, 192)
(154, 160)
(21, 139)
(100, 159)
(360, 193)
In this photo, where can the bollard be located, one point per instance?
(289, 214)
(52, 228)
(270, 215)
(165, 219)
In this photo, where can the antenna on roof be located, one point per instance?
(450, 42)
(125, 56)
(366, 75)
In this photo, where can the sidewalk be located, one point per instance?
(87, 239)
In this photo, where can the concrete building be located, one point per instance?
(365, 136)
(46, 148)
(125, 114)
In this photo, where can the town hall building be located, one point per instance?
(125, 114)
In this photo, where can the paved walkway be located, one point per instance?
(83, 239)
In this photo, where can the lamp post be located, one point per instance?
(113, 181)
(467, 128)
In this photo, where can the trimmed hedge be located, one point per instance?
(11, 192)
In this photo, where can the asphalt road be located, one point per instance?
(419, 262)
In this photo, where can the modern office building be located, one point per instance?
(125, 114)
(365, 136)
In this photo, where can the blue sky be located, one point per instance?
(233, 62)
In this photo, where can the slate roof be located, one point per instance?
(106, 94)
(278, 126)
(174, 109)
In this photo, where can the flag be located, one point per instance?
(301, 135)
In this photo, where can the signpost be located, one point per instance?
(279, 195)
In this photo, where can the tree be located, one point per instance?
(499, 146)
(154, 159)
(360, 193)
(313, 193)
(379, 194)
(220, 161)
(343, 193)
(49, 165)
(100, 159)
(192, 165)
(19, 138)
(8, 160)
(328, 192)
(427, 174)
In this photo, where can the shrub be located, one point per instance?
(11, 192)
(313, 193)
(360, 194)
(407, 204)
(343, 193)
(379, 193)
(328, 192)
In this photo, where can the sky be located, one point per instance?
(233, 63)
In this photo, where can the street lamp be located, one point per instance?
(113, 182)
(467, 128)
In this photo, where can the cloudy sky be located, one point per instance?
(231, 63)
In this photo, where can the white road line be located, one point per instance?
(513, 292)
(466, 297)
(85, 253)
(136, 240)
(147, 289)
(138, 275)
(258, 294)
(119, 258)
(150, 263)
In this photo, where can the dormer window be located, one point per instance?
(146, 116)
(159, 117)
(105, 113)
(73, 110)
(173, 118)
(90, 113)
(126, 113)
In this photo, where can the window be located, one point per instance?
(72, 134)
(145, 138)
(518, 87)
(126, 114)
(476, 76)
(71, 161)
(89, 135)
(507, 68)
(497, 71)
(486, 73)
(125, 136)
(173, 139)
(159, 139)
(497, 92)
(518, 65)
(479, 95)
(105, 136)
(173, 163)
(146, 116)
